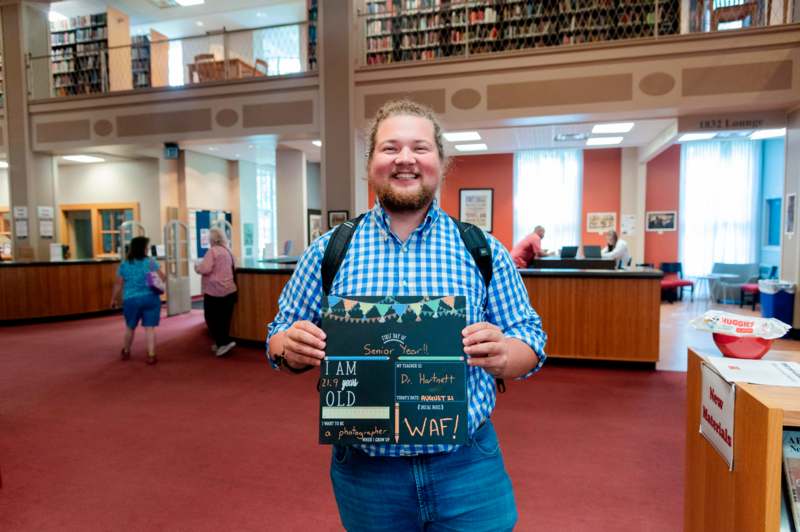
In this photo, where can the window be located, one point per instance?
(773, 222)
(265, 192)
(280, 48)
(110, 220)
(719, 198)
(547, 192)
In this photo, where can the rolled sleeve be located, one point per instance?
(509, 306)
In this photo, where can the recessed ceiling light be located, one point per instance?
(199, 23)
(83, 158)
(471, 147)
(212, 148)
(237, 155)
(768, 134)
(688, 137)
(260, 14)
(617, 127)
(317, 143)
(603, 141)
(186, 3)
(251, 146)
(571, 137)
(462, 136)
(3, 164)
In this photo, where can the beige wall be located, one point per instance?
(790, 252)
(128, 181)
(4, 188)
(207, 182)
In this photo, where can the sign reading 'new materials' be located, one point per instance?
(394, 370)
(717, 400)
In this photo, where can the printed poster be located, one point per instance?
(394, 371)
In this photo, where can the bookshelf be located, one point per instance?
(748, 498)
(313, 11)
(412, 30)
(140, 61)
(91, 54)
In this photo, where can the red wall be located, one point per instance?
(494, 171)
(602, 171)
(663, 194)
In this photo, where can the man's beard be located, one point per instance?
(394, 200)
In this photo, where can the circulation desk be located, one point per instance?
(595, 314)
(53, 289)
(747, 498)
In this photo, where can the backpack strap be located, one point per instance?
(478, 247)
(336, 250)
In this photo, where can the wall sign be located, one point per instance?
(44, 213)
(20, 212)
(732, 121)
(717, 401)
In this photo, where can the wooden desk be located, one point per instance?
(215, 71)
(52, 289)
(576, 264)
(747, 498)
(260, 287)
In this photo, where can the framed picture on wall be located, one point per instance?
(337, 217)
(791, 199)
(662, 221)
(314, 224)
(600, 222)
(475, 207)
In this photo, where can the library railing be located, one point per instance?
(81, 64)
(414, 30)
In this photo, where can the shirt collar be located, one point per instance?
(383, 219)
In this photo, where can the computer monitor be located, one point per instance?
(569, 252)
(591, 252)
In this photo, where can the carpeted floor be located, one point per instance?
(195, 443)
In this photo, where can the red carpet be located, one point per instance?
(195, 443)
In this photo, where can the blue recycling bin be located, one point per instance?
(777, 299)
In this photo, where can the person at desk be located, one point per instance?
(529, 248)
(617, 249)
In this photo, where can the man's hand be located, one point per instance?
(304, 345)
(487, 347)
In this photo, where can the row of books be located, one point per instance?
(791, 474)
(83, 21)
(82, 35)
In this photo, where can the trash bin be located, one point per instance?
(777, 299)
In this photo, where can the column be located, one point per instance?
(291, 193)
(790, 247)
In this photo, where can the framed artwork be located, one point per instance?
(314, 224)
(662, 221)
(600, 222)
(337, 217)
(475, 207)
(791, 199)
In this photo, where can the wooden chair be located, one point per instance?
(673, 282)
(205, 66)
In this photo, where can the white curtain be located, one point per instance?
(547, 192)
(719, 200)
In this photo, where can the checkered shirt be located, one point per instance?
(432, 261)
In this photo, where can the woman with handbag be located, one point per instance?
(219, 290)
(140, 281)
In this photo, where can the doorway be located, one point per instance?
(79, 234)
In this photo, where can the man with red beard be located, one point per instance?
(407, 245)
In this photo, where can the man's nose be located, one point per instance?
(405, 155)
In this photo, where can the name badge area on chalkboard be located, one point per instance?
(394, 371)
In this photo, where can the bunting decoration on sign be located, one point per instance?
(388, 308)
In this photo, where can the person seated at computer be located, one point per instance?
(529, 248)
(617, 250)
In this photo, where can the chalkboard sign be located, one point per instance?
(394, 370)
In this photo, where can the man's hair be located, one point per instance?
(137, 249)
(406, 108)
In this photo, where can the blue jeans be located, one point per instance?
(467, 489)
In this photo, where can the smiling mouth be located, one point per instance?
(405, 176)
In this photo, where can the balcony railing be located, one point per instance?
(88, 67)
(415, 30)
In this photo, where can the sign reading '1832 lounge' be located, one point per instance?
(732, 121)
(394, 370)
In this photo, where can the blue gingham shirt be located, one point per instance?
(432, 261)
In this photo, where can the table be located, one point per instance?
(708, 278)
(215, 71)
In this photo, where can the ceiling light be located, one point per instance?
(462, 136)
(186, 3)
(53, 16)
(260, 14)
(83, 159)
(618, 127)
(570, 137)
(603, 141)
(768, 134)
(237, 155)
(250, 146)
(317, 143)
(3, 164)
(688, 137)
(212, 148)
(199, 23)
(471, 147)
